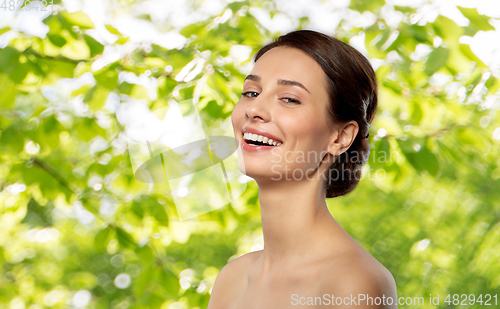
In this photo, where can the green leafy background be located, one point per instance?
(427, 208)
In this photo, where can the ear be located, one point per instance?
(342, 137)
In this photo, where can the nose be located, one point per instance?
(258, 109)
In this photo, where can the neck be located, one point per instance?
(296, 222)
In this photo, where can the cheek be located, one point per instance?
(311, 137)
(310, 131)
(237, 116)
(312, 140)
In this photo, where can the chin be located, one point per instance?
(255, 172)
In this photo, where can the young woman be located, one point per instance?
(302, 126)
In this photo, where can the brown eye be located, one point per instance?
(250, 94)
(290, 100)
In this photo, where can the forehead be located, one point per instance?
(293, 64)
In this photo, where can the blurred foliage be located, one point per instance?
(77, 228)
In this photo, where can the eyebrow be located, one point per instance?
(284, 82)
(255, 78)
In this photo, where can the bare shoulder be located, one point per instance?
(360, 275)
(231, 279)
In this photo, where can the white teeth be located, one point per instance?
(260, 138)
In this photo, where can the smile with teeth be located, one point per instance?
(259, 138)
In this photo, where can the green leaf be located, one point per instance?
(54, 23)
(421, 160)
(37, 215)
(167, 87)
(7, 92)
(57, 39)
(125, 88)
(82, 280)
(159, 213)
(146, 255)
(90, 205)
(64, 69)
(449, 153)
(96, 48)
(12, 140)
(193, 29)
(363, 5)
(96, 97)
(436, 60)
(236, 6)
(144, 280)
(9, 59)
(466, 50)
(419, 34)
(79, 19)
(107, 78)
(404, 9)
(37, 174)
(101, 238)
(380, 154)
(383, 38)
(75, 50)
(478, 21)
(251, 35)
(472, 140)
(50, 132)
(473, 81)
(112, 30)
(20, 72)
(121, 38)
(171, 283)
(417, 113)
(150, 205)
(87, 128)
(393, 85)
(139, 92)
(82, 90)
(3, 30)
(493, 84)
(137, 209)
(447, 29)
(124, 238)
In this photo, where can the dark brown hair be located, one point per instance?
(352, 88)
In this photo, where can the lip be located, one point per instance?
(261, 132)
(247, 147)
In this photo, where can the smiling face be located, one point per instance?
(285, 98)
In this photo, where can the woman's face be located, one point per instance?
(284, 98)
